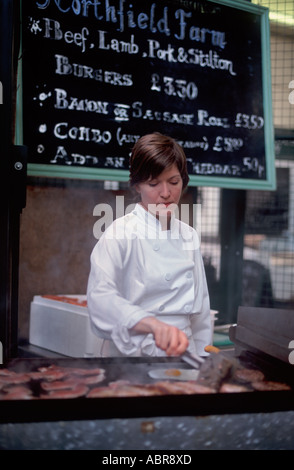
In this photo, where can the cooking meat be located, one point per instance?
(142, 390)
(58, 385)
(125, 391)
(17, 392)
(185, 388)
(79, 390)
(248, 375)
(58, 382)
(80, 371)
(124, 388)
(102, 392)
(49, 373)
(56, 373)
(90, 380)
(55, 381)
(14, 378)
(71, 382)
(267, 385)
(6, 372)
(232, 388)
(119, 383)
(165, 387)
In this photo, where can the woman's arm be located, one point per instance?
(169, 338)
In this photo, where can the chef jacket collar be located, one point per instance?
(149, 219)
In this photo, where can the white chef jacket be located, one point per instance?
(139, 270)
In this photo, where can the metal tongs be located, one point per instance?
(192, 359)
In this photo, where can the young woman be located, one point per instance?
(147, 291)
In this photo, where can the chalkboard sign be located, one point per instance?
(97, 75)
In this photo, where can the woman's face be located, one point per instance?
(161, 195)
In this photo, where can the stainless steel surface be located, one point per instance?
(173, 374)
(264, 329)
(134, 370)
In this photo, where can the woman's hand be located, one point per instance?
(167, 337)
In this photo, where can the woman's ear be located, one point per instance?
(137, 188)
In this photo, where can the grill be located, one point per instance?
(261, 336)
(263, 339)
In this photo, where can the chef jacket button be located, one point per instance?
(187, 308)
(156, 246)
(161, 308)
(189, 275)
(168, 276)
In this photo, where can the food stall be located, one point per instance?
(54, 401)
(157, 403)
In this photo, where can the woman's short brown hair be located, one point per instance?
(152, 154)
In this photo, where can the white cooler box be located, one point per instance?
(61, 323)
